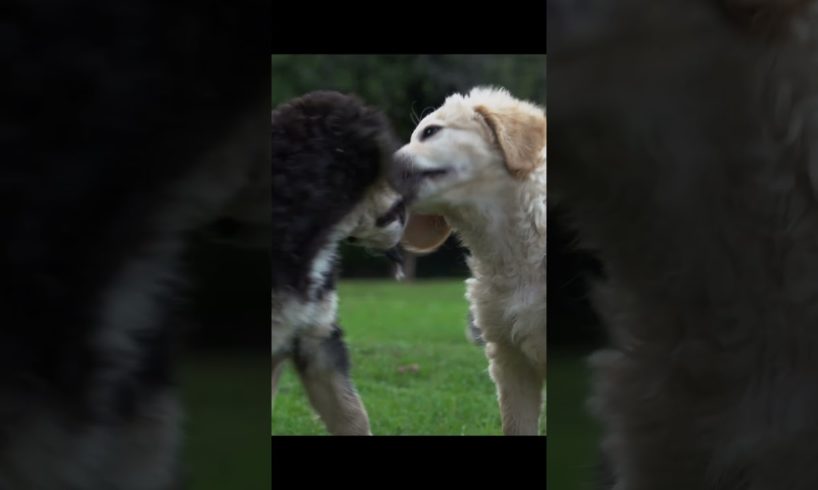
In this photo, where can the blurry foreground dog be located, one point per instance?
(119, 137)
(685, 146)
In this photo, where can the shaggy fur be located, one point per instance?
(685, 136)
(482, 168)
(329, 154)
(118, 139)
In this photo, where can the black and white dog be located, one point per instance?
(329, 154)
(118, 137)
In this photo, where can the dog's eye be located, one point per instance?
(429, 131)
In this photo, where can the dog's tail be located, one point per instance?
(473, 332)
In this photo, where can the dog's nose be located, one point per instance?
(401, 176)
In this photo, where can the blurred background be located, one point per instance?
(412, 363)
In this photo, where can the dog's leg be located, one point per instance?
(519, 389)
(323, 365)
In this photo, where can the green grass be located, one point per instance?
(573, 435)
(225, 400)
(388, 326)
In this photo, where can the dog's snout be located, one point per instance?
(401, 175)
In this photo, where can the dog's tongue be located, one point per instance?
(425, 232)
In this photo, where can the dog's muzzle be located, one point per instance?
(402, 177)
(405, 177)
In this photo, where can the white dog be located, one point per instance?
(477, 164)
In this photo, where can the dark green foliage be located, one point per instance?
(403, 85)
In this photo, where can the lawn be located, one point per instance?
(573, 435)
(225, 399)
(412, 365)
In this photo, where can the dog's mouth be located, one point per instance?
(395, 213)
(434, 173)
(406, 177)
(409, 184)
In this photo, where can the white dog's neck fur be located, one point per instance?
(506, 232)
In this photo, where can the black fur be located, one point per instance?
(128, 108)
(333, 352)
(327, 150)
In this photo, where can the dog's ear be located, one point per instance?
(521, 136)
(424, 233)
